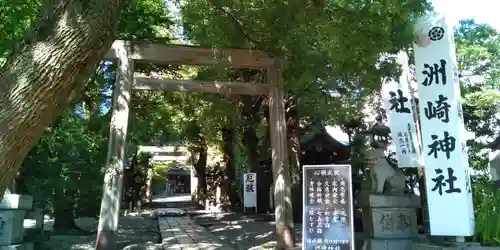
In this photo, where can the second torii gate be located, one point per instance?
(127, 53)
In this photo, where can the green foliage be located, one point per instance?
(327, 46)
(486, 203)
(160, 170)
(332, 55)
(16, 18)
(478, 47)
(241, 161)
(328, 50)
(68, 154)
(153, 120)
(202, 116)
(145, 20)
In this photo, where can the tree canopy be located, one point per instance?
(55, 92)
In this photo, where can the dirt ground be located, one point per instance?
(135, 232)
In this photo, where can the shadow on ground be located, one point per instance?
(134, 232)
(242, 231)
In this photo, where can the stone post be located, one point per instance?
(33, 227)
(149, 185)
(193, 182)
(389, 220)
(13, 208)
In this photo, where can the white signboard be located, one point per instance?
(250, 190)
(443, 135)
(398, 105)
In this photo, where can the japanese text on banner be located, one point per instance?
(398, 105)
(443, 138)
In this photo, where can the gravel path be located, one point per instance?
(135, 232)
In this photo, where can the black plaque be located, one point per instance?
(328, 213)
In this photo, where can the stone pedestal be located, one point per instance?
(447, 243)
(389, 221)
(13, 209)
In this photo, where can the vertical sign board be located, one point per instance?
(446, 164)
(328, 211)
(398, 105)
(250, 190)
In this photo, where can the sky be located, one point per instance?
(483, 11)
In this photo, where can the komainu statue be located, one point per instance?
(384, 178)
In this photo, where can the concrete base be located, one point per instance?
(25, 246)
(16, 201)
(11, 226)
(450, 246)
(387, 244)
(13, 208)
(250, 210)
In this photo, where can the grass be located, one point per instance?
(487, 213)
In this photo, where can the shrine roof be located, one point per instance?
(333, 133)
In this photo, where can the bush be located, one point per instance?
(487, 212)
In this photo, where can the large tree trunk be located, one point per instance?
(294, 153)
(228, 195)
(64, 218)
(293, 140)
(200, 166)
(64, 206)
(47, 71)
(251, 142)
(264, 172)
(250, 112)
(228, 149)
(267, 171)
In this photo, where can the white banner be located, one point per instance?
(398, 105)
(443, 135)
(250, 190)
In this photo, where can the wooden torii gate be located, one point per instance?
(126, 54)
